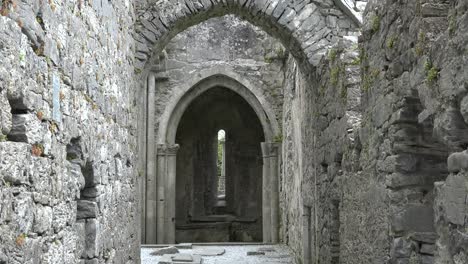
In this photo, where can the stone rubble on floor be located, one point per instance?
(181, 259)
(210, 252)
(164, 251)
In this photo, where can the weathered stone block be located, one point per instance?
(414, 218)
(464, 109)
(163, 251)
(92, 230)
(451, 199)
(434, 10)
(86, 209)
(14, 162)
(26, 128)
(5, 114)
(428, 249)
(80, 229)
(42, 219)
(402, 248)
(458, 161)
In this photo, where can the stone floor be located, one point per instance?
(234, 254)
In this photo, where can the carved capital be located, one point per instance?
(270, 149)
(167, 150)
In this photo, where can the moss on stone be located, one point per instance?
(322, 89)
(375, 23)
(369, 79)
(278, 138)
(356, 61)
(344, 92)
(391, 42)
(420, 45)
(332, 54)
(452, 24)
(432, 75)
(334, 75)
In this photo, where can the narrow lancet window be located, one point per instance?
(221, 164)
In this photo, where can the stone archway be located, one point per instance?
(305, 29)
(301, 26)
(160, 198)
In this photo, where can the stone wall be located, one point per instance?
(373, 169)
(365, 163)
(320, 147)
(451, 219)
(414, 83)
(67, 141)
(291, 227)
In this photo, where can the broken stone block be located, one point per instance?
(42, 219)
(401, 248)
(86, 209)
(429, 237)
(414, 217)
(5, 115)
(165, 251)
(25, 128)
(464, 108)
(13, 164)
(181, 259)
(434, 10)
(255, 253)
(80, 228)
(425, 259)
(428, 249)
(92, 261)
(210, 251)
(92, 238)
(458, 161)
(266, 249)
(184, 246)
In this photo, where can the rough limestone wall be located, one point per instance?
(223, 45)
(320, 132)
(291, 174)
(67, 141)
(451, 209)
(415, 87)
(345, 231)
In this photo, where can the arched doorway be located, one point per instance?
(202, 216)
(188, 147)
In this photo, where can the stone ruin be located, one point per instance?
(346, 128)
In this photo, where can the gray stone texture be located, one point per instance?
(67, 72)
(414, 131)
(374, 134)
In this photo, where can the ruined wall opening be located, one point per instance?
(204, 214)
(420, 160)
(86, 203)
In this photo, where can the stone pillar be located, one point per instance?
(151, 182)
(171, 158)
(266, 205)
(274, 187)
(166, 161)
(270, 201)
